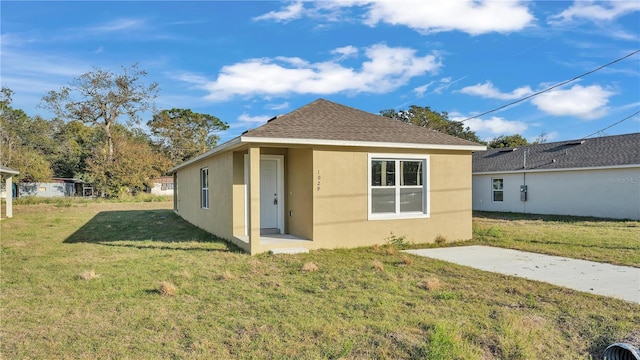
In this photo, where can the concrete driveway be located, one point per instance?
(622, 282)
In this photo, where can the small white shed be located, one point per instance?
(7, 174)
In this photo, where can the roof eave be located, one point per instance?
(298, 141)
(607, 167)
(240, 140)
(6, 170)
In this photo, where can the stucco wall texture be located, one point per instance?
(326, 197)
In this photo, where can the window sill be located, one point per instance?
(373, 217)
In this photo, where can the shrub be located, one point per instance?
(440, 239)
(398, 241)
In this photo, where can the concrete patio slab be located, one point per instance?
(622, 282)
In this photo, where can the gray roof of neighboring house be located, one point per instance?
(6, 170)
(618, 150)
(326, 120)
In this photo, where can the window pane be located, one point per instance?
(411, 173)
(497, 184)
(383, 173)
(376, 173)
(383, 200)
(497, 196)
(410, 200)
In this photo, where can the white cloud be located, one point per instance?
(118, 25)
(420, 90)
(284, 105)
(385, 69)
(496, 126)
(290, 12)
(487, 90)
(585, 102)
(442, 85)
(260, 119)
(473, 17)
(345, 51)
(596, 10)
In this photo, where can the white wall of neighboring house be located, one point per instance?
(162, 189)
(608, 193)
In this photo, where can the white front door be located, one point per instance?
(269, 196)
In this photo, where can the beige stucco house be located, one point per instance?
(329, 176)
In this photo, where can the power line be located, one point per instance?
(612, 125)
(551, 88)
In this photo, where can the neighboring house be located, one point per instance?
(592, 177)
(329, 176)
(162, 185)
(56, 187)
(7, 174)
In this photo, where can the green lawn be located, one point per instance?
(82, 280)
(611, 241)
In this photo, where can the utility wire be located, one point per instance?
(612, 125)
(551, 88)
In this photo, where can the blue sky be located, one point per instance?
(247, 61)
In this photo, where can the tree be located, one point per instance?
(134, 163)
(24, 141)
(438, 121)
(504, 141)
(75, 144)
(184, 133)
(541, 139)
(102, 98)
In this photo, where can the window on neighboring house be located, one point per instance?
(497, 189)
(204, 184)
(398, 187)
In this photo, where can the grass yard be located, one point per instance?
(132, 280)
(610, 241)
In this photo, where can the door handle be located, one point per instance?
(275, 201)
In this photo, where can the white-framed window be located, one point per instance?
(204, 184)
(398, 186)
(497, 189)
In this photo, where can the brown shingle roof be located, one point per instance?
(326, 120)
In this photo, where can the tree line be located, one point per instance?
(439, 121)
(95, 134)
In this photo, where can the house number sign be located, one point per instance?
(318, 181)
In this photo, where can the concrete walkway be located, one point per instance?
(622, 282)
